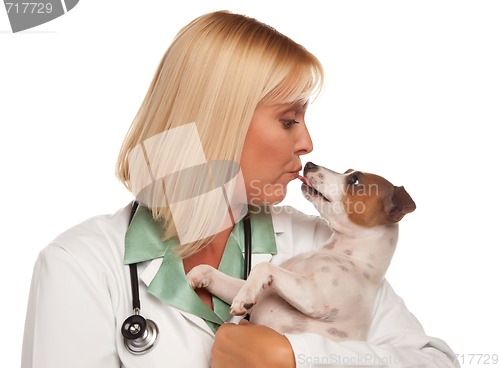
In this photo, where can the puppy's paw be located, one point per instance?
(246, 298)
(240, 308)
(200, 276)
(260, 278)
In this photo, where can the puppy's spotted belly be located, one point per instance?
(341, 320)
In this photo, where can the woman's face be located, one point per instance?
(276, 138)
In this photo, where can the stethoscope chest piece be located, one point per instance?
(140, 334)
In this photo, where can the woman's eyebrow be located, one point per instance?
(294, 106)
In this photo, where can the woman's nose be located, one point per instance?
(304, 143)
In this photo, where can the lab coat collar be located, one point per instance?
(143, 237)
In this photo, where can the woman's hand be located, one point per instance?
(248, 346)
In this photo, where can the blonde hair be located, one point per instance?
(216, 72)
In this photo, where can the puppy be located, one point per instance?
(328, 291)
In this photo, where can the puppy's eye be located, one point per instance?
(353, 179)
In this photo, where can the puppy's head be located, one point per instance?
(354, 198)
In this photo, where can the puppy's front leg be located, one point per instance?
(300, 291)
(261, 277)
(217, 283)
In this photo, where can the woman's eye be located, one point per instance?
(288, 123)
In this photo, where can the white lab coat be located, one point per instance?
(80, 296)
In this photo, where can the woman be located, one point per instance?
(221, 130)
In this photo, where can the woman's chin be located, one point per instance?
(267, 195)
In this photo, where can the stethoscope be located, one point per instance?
(140, 335)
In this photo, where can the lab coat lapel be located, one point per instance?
(164, 275)
(282, 223)
(148, 275)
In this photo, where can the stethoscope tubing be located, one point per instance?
(134, 278)
(248, 247)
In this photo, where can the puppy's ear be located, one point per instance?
(348, 171)
(398, 204)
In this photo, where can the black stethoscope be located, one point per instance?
(140, 335)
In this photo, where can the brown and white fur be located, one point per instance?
(328, 291)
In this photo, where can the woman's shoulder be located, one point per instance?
(96, 237)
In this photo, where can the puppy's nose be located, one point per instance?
(310, 167)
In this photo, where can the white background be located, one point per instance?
(412, 93)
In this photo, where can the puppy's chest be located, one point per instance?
(345, 266)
